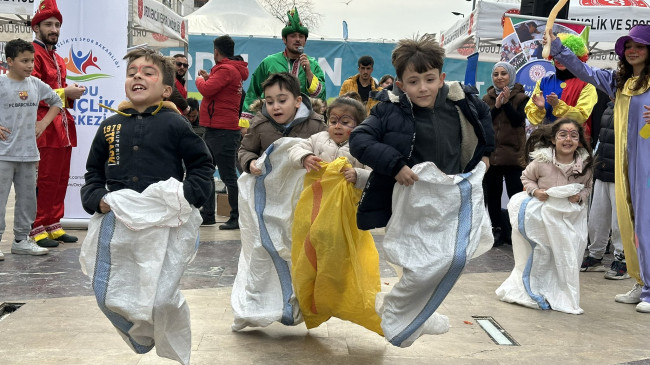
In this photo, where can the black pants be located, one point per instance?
(493, 189)
(224, 144)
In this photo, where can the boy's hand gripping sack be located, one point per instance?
(136, 255)
(437, 225)
(262, 292)
(335, 265)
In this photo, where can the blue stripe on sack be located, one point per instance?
(456, 267)
(541, 301)
(100, 280)
(281, 266)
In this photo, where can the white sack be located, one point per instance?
(263, 291)
(548, 242)
(438, 224)
(136, 255)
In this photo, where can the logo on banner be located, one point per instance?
(23, 95)
(79, 63)
(183, 29)
(639, 3)
(140, 8)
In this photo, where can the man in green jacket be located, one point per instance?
(292, 60)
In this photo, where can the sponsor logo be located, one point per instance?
(140, 8)
(79, 64)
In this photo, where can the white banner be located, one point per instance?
(92, 42)
(17, 7)
(155, 17)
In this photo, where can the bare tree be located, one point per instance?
(308, 16)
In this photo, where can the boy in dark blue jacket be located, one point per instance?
(147, 141)
(422, 119)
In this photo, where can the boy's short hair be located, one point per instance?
(365, 61)
(421, 54)
(285, 81)
(193, 104)
(353, 95)
(164, 63)
(14, 47)
(225, 45)
(358, 110)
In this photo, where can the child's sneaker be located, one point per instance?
(618, 271)
(631, 297)
(27, 247)
(592, 264)
(2, 256)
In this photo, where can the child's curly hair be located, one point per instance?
(544, 136)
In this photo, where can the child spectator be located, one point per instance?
(602, 213)
(285, 113)
(193, 117)
(344, 114)
(551, 234)
(422, 119)
(20, 94)
(386, 81)
(629, 84)
(327, 262)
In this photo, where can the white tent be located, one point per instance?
(234, 17)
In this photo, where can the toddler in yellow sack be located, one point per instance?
(335, 266)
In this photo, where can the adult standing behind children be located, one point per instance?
(629, 84)
(219, 114)
(20, 94)
(422, 119)
(180, 60)
(292, 60)
(562, 94)
(362, 82)
(56, 142)
(506, 100)
(602, 214)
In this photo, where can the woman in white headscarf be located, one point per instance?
(507, 101)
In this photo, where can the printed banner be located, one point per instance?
(93, 58)
(522, 45)
(338, 59)
(156, 17)
(18, 7)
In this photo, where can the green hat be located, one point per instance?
(294, 24)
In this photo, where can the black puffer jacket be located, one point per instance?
(604, 166)
(385, 140)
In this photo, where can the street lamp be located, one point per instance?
(457, 13)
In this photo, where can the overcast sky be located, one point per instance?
(392, 19)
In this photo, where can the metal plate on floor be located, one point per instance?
(497, 333)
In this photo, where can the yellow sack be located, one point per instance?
(335, 265)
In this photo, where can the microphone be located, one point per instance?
(301, 50)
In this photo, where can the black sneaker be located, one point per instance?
(47, 242)
(592, 264)
(66, 238)
(231, 224)
(618, 271)
(208, 222)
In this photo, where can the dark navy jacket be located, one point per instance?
(384, 141)
(136, 150)
(605, 156)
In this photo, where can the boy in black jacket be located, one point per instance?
(147, 141)
(422, 119)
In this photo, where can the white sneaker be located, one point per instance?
(2, 256)
(28, 247)
(643, 307)
(631, 297)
